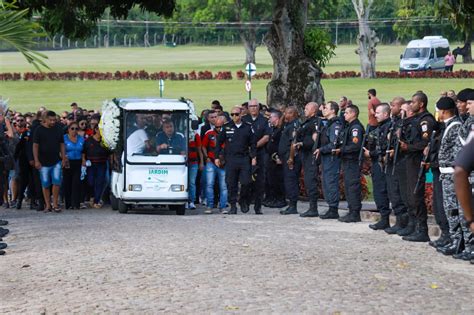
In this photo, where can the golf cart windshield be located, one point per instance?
(418, 53)
(157, 137)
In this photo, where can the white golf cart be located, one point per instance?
(151, 169)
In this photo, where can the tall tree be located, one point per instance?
(367, 39)
(296, 77)
(76, 19)
(19, 32)
(461, 14)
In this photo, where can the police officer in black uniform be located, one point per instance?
(377, 147)
(275, 190)
(331, 163)
(291, 168)
(240, 154)
(262, 133)
(309, 133)
(349, 152)
(461, 103)
(396, 166)
(419, 134)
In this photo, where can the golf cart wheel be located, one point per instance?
(113, 202)
(180, 209)
(122, 207)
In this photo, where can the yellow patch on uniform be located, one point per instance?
(355, 140)
(425, 135)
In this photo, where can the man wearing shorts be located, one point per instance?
(48, 144)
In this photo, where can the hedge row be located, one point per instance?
(208, 75)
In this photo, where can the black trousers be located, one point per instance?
(352, 185)
(416, 201)
(72, 184)
(237, 170)
(438, 207)
(274, 178)
(257, 187)
(26, 179)
(396, 187)
(292, 179)
(311, 175)
(379, 181)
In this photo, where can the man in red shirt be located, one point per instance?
(195, 163)
(371, 106)
(212, 171)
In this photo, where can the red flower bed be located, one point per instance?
(208, 75)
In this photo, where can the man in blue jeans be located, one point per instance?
(50, 156)
(212, 171)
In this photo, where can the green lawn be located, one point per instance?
(57, 95)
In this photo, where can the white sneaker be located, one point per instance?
(224, 211)
(191, 206)
(208, 211)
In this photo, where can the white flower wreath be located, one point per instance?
(110, 125)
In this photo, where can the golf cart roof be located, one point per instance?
(152, 104)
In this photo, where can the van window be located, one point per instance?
(416, 53)
(441, 52)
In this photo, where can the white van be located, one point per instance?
(424, 54)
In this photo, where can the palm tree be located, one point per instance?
(18, 31)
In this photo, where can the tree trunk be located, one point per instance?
(467, 57)
(249, 39)
(296, 78)
(367, 39)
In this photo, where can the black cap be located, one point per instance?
(470, 96)
(445, 103)
(463, 95)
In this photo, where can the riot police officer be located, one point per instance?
(396, 167)
(240, 154)
(262, 133)
(377, 147)
(307, 141)
(331, 163)
(291, 159)
(349, 152)
(275, 190)
(420, 130)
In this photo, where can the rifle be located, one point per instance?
(397, 143)
(390, 140)
(423, 162)
(315, 145)
(364, 140)
(291, 158)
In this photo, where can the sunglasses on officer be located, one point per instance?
(235, 114)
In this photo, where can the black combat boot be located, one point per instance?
(352, 216)
(279, 204)
(456, 246)
(3, 246)
(3, 222)
(467, 253)
(244, 207)
(233, 209)
(291, 209)
(332, 213)
(409, 229)
(18, 203)
(400, 223)
(382, 224)
(420, 234)
(267, 202)
(442, 241)
(258, 206)
(4, 232)
(312, 211)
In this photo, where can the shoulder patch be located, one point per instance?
(425, 135)
(355, 132)
(355, 140)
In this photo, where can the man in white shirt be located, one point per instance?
(138, 142)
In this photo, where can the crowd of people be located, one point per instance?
(255, 155)
(264, 152)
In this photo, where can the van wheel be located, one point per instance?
(180, 209)
(121, 206)
(113, 202)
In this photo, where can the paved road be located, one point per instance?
(98, 261)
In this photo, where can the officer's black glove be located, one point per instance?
(254, 172)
